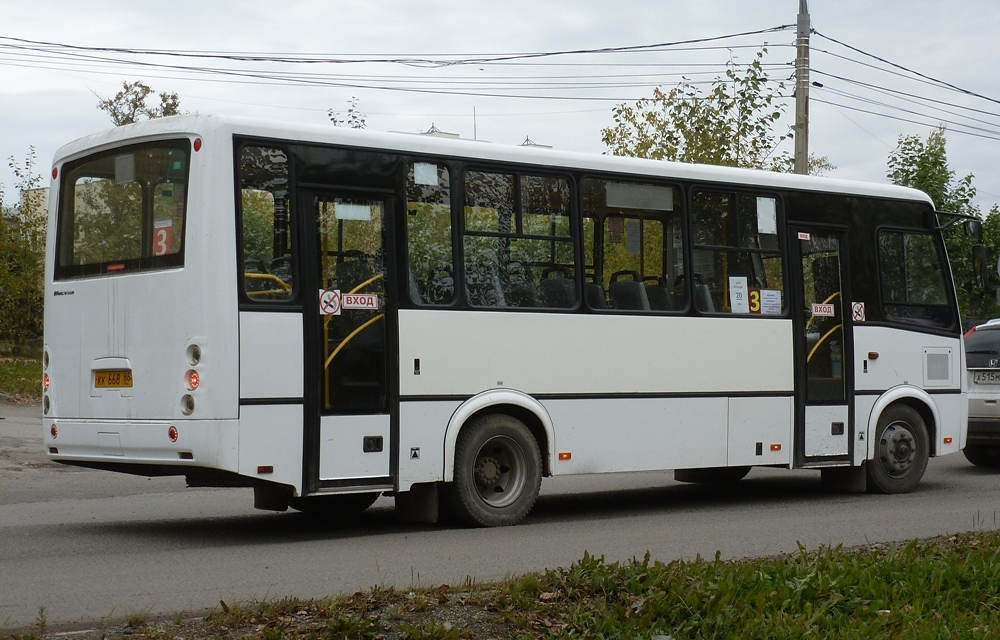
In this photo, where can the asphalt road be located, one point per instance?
(90, 545)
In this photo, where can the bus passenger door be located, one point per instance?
(347, 326)
(824, 400)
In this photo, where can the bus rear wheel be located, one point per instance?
(498, 472)
(901, 451)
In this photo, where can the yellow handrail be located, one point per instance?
(821, 341)
(343, 342)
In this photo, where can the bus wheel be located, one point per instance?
(901, 451)
(338, 506)
(498, 471)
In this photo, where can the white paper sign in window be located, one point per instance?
(739, 294)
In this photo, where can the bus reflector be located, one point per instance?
(565, 455)
(116, 267)
(776, 446)
(197, 144)
(54, 431)
(55, 172)
(265, 468)
(947, 440)
(172, 433)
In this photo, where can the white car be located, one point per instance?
(982, 353)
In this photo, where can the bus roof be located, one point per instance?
(206, 125)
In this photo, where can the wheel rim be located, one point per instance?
(500, 471)
(897, 449)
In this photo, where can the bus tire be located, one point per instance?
(986, 456)
(498, 471)
(901, 451)
(338, 506)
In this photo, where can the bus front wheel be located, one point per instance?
(498, 471)
(901, 451)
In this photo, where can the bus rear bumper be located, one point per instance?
(130, 444)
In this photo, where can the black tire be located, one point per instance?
(901, 451)
(987, 456)
(498, 471)
(712, 475)
(338, 506)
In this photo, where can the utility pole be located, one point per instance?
(802, 90)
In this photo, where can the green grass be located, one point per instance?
(947, 587)
(20, 379)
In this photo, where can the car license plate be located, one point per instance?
(986, 377)
(112, 378)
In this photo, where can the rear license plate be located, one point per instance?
(112, 378)
(986, 377)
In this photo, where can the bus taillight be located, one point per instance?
(192, 380)
(46, 382)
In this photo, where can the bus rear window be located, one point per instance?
(123, 210)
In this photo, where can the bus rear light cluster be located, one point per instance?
(172, 433)
(192, 378)
(187, 404)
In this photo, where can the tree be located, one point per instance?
(355, 118)
(131, 104)
(732, 125)
(923, 164)
(22, 242)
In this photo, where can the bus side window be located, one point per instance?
(634, 246)
(266, 225)
(736, 256)
(428, 234)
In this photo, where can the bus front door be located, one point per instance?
(348, 441)
(823, 417)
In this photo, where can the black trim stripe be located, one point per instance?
(255, 402)
(609, 396)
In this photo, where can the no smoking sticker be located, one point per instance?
(858, 311)
(329, 302)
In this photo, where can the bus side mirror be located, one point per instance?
(974, 229)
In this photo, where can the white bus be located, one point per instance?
(329, 315)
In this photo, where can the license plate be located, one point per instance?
(111, 378)
(986, 377)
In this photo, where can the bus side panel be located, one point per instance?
(931, 362)
(421, 440)
(271, 443)
(639, 434)
(465, 352)
(271, 355)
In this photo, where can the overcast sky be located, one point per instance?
(48, 96)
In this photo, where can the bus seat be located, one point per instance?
(657, 293)
(703, 298)
(594, 292)
(628, 294)
(440, 285)
(557, 288)
(520, 290)
(482, 286)
(353, 272)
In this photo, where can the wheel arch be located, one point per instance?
(506, 401)
(913, 397)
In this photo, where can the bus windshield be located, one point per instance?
(123, 210)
